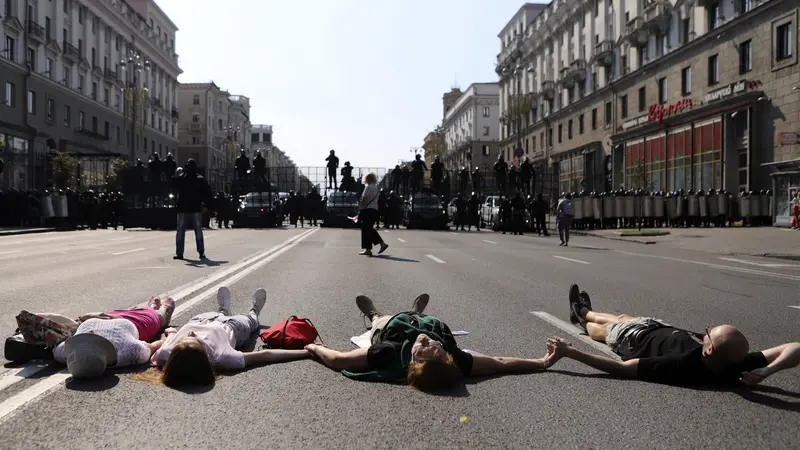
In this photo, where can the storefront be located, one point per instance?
(786, 187)
(581, 169)
(686, 145)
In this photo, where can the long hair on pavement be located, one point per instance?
(434, 374)
(187, 366)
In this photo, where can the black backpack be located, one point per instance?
(17, 350)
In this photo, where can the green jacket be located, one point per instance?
(401, 331)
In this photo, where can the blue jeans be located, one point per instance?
(242, 325)
(196, 219)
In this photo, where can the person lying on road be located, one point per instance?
(652, 350)
(417, 349)
(114, 339)
(210, 340)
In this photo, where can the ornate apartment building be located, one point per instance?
(93, 78)
(469, 126)
(656, 94)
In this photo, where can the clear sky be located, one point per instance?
(363, 77)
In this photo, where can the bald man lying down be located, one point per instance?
(655, 351)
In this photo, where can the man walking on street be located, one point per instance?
(193, 194)
(566, 212)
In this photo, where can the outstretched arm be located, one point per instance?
(498, 365)
(262, 357)
(562, 348)
(355, 360)
(782, 357)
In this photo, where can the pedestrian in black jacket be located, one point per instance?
(193, 193)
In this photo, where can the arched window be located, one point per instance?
(196, 100)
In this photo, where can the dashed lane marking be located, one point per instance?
(574, 331)
(122, 238)
(491, 242)
(570, 259)
(719, 266)
(436, 259)
(753, 263)
(128, 251)
(401, 240)
(10, 253)
(795, 307)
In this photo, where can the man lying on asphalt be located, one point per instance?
(655, 351)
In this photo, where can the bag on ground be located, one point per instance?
(291, 334)
(45, 329)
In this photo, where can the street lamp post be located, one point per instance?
(133, 66)
(232, 135)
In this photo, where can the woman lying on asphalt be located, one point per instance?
(209, 341)
(655, 351)
(114, 339)
(418, 349)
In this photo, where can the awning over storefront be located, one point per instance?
(787, 167)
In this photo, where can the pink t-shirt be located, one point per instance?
(146, 320)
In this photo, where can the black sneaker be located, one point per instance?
(178, 256)
(586, 302)
(574, 304)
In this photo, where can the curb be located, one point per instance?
(784, 256)
(613, 238)
(26, 231)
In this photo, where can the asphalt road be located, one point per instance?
(508, 292)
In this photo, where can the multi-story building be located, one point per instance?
(470, 127)
(434, 146)
(261, 141)
(95, 79)
(657, 94)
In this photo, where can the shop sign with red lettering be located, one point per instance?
(659, 112)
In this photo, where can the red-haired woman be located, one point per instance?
(417, 349)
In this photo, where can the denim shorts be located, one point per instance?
(617, 332)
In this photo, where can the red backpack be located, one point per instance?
(291, 334)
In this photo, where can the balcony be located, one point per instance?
(548, 89)
(175, 114)
(89, 133)
(604, 52)
(194, 126)
(578, 69)
(36, 32)
(658, 15)
(565, 78)
(155, 102)
(71, 52)
(636, 32)
(110, 74)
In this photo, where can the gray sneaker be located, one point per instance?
(420, 303)
(367, 307)
(259, 300)
(224, 300)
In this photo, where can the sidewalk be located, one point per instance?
(761, 241)
(11, 231)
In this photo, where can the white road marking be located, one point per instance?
(795, 307)
(570, 259)
(574, 331)
(127, 251)
(491, 242)
(718, 266)
(28, 395)
(122, 238)
(17, 374)
(753, 263)
(436, 259)
(401, 240)
(151, 267)
(9, 253)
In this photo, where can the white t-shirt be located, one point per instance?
(122, 333)
(219, 342)
(370, 196)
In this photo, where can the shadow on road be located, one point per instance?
(104, 383)
(204, 263)
(394, 258)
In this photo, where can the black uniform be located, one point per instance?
(477, 181)
(242, 165)
(461, 212)
(505, 215)
(525, 175)
(332, 164)
(463, 180)
(518, 206)
(418, 167)
(539, 212)
(437, 173)
(500, 174)
(474, 212)
(260, 168)
(397, 178)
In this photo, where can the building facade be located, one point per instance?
(657, 95)
(470, 127)
(261, 141)
(95, 79)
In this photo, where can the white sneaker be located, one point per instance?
(259, 299)
(224, 300)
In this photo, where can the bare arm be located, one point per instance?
(355, 360)
(154, 346)
(497, 365)
(273, 356)
(562, 348)
(782, 357)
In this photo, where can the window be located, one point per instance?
(94, 124)
(80, 47)
(81, 119)
(105, 62)
(713, 15)
(783, 41)
(94, 24)
(94, 57)
(144, 143)
(31, 102)
(569, 129)
(713, 70)
(580, 124)
(196, 100)
(662, 90)
(685, 31)
(745, 57)
(152, 119)
(119, 135)
(81, 80)
(48, 28)
(106, 129)
(219, 121)
(66, 6)
(64, 36)
(94, 90)
(642, 98)
(219, 108)
(67, 112)
(485, 111)
(594, 119)
(107, 34)
(105, 96)
(686, 81)
(31, 59)
(485, 131)
(11, 93)
(80, 14)
(533, 142)
(117, 101)
(50, 109)
(48, 66)
(560, 133)
(10, 47)
(644, 57)
(623, 105)
(608, 113)
(195, 118)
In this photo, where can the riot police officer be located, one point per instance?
(518, 208)
(461, 212)
(437, 173)
(397, 178)
(477, 181)
(332, 162)
(525, 175)
(474, 212)
(418, 168)
(463, 180)
(242, 165)
(500, 174)
(260, 168)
